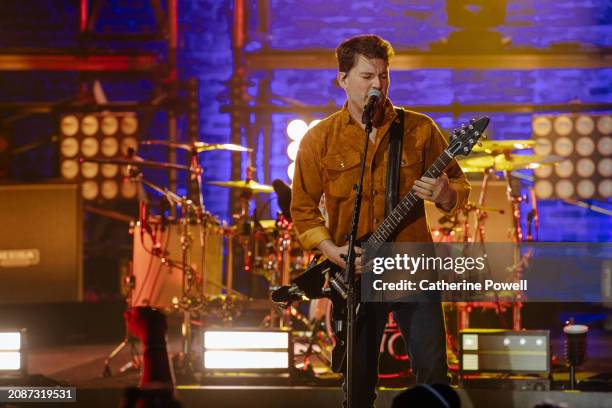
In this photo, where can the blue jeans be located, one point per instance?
(422, 327)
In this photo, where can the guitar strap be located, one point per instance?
(394, 156)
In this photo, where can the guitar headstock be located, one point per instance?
(463, 139)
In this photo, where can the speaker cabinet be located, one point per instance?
(41, 243)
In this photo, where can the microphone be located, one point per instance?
(283, 192)
(373, 96)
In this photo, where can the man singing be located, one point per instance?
(328, 163)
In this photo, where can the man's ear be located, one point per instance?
(341, 78)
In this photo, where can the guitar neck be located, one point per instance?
(392, 222)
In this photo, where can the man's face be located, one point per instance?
(366, 74)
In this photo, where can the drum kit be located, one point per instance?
(495, 159)
(178, 255)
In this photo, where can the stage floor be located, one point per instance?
(69, 343)
(82, 366)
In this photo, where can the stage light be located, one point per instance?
(564, 189)
(604, 125)
(470, 342)
(13, 356)
(585, 167)
(291, 170)
(292, 150)
(564, 146)
(585, 189)
(604, 146)
(585, 146)
(604, 167)
(247, 350)
(605, 188)
(296, 129)
(585, 143)
(313, 123)
(106, 135)
(564, 169)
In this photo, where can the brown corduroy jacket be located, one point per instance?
(328, 163)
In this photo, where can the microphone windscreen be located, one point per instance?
(374, 93)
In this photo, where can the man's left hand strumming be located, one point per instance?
(436, 190)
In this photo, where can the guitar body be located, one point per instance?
(312, 282)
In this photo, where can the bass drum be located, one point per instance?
(393, 361)
(158, 270)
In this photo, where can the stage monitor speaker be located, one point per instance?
(40, 243)
(505, 351)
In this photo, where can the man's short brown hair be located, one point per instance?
(368, 45)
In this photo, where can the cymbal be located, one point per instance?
(251, 185)
(501, 162)
(267, 224)
(198, 146)
(490, 146)
(138, 163)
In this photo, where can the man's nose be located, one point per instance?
(376, 83)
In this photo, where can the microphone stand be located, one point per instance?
(349, 271)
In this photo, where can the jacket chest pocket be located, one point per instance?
(411, 169)
(342, 172)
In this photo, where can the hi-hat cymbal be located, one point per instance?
(251, 185)
(138, 163)
(490, 146)
(501, 162)
(198, 146)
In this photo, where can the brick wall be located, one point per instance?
(205, 53)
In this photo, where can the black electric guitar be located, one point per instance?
(311, 283)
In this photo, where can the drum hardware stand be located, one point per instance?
(514, 197)
(130, 282)
(480, 213)
(306, 370)
(282, 268)
(128, 340)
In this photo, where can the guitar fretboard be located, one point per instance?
(392, 222)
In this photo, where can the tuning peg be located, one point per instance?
(470, 127)
(472, 120)
(463, 126)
